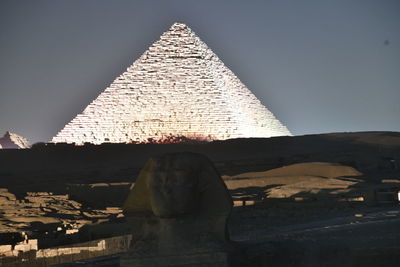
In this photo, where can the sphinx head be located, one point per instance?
(179, 184)
(173, 183)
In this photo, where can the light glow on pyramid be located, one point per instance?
(178, 87)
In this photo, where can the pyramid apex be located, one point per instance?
(179, 25)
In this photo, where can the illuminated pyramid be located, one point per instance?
(13, 141)
(178, 87)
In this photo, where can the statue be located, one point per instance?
(178, 210)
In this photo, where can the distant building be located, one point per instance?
(13, 141)
(178, 87)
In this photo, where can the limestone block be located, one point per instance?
(22, 247)
(5, 248)
(33, 244)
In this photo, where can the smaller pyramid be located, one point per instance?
(13, 141)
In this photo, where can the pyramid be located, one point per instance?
(178, 87)
(13, 141)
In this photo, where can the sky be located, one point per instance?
(320, 66)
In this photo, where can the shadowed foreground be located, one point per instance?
(322, 200)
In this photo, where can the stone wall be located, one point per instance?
(27, 253)
(178, 87)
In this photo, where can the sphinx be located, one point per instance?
(178, 210)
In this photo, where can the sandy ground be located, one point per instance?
(289, 194)
(302, 179)
(313, 192)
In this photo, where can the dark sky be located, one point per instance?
(319, 66)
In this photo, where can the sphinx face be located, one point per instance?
(173, 188)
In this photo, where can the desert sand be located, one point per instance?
(314, 192)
